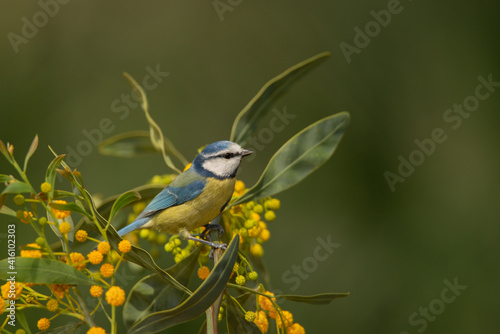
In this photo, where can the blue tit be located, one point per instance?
(196, 196)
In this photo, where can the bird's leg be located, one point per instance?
(210, 227)
(187, 236)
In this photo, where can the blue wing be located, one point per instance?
(186, 187)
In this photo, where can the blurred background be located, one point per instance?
(399, 246)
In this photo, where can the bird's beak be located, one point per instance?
(244, 153)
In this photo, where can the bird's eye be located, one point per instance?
(227, 156)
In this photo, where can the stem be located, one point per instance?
(212, 313)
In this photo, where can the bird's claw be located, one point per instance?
(211, 227)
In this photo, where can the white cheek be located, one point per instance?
(221, 167)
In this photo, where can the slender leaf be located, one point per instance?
(51, 173)
(3, 198)
(159, 141)
(7, 211)
(122, 201)
(5, 178)
(68, 328)
(151, 295)
(299, 157)
(31, 151)
(199, 301)
(127, 145)
(236, 322)
(44, 271)
(5, 152)
(246, 122)
(320, 299)
(21, 318)
(70, 235)
(17, 187)
(73, 207)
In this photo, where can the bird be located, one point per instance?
(196, 196)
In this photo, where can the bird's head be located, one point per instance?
(220, 159)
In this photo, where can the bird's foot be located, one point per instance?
(209, 228)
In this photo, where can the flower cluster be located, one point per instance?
(269, 309)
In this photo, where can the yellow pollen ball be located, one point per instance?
(43, 324)
(52, 305)
(7, 292)
(203, 272)
(60, 214)
(103, 247)
(31, 252)
(107, 270)
(287, 318)
(45, 187)
(64, 228)
(96, 330)
(81, 235)
(265, 303)
(124, 246)
(77, 260)
(96, 291)
(115, 296)
(261, 321)
(95, 257)
(296, 329)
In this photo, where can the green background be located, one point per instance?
(396, 248)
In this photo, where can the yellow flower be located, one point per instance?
(96, 330)
(240, 280)
(52, 305)
(64, 228)
(20, 331)
(287, 318)
(124, 246)
(239, 187)
(264, 235)
(296, 329)
(60, 214)
(107, 270)
(255, 216)
(265, 303)
(96, 291)
(254, 232)
(258, 208)
(252, 275)
(103, 247)
(14, 293)
(270, 216)
(46, 187)
(2, 305)
(261, 321)
(95, 257)
(250, 316)
(273, 204)
(27, 217)
(77, 260)
(31, 252)
(19, 199)
(43, 324)
(81, 235)
(115, 296)
(203, 272)
(59, 289)
(256, 250)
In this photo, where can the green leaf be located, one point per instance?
(65, 329)
(298, 157)
(73, 207)
(151, 295)
(246, 122)
(5, 152)
(31, 151)
(236, 322)
(50, 175)
(5, 178)
(199, 301)
(44, 271)
(122, 201)
(22, 320)
(7, 211)
(17, 187)
(160, 142)
(320, 299)
(127, 145)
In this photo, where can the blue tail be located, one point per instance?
(136, 224)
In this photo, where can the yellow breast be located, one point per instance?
(198, 211)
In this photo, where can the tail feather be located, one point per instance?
(136, 224)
